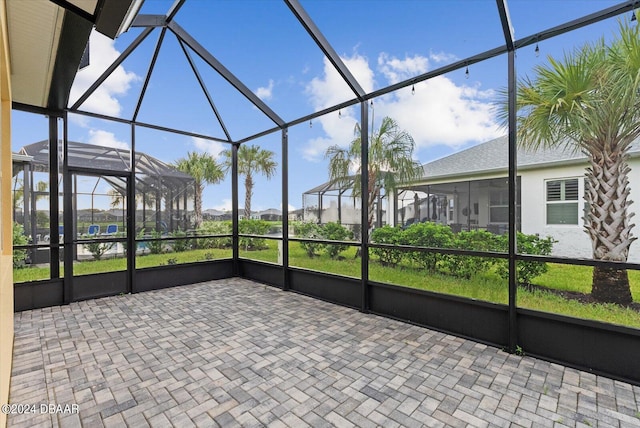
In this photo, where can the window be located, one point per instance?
(562, 201)
(499, 206)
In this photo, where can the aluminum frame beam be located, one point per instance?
(224, 72)
(112, 68)
(513, 171)
(149, 21)
(174, 9)
(147, 78)
(325, 46)
(204, 89)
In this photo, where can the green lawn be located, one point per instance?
(486, 287)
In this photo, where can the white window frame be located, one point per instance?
(577, 201)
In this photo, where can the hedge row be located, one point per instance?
(440, 236)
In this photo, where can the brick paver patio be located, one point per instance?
(237, 353)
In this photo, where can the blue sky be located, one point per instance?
(261, 42)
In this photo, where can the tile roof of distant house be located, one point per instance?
(492, 156)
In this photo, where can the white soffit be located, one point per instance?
(88, 6)
(34, 28)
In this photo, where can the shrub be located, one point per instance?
(427, 235)
(253, 227)
(214, 228)
(335, 232)
(468, 266)
(387, 235)
(156, 247)
(312, 231)
(527, 244)
(98, 249)
(19, 238)
(182, 244)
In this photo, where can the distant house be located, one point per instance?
(271, 214)
(469, 190)
(217, 215)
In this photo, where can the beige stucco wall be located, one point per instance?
(6, 259)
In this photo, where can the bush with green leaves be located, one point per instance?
(527, 244)
(430, 235)
(19, 238)
(253, 227)
(311, 231)
(182, 243)
(214, 228)
(156, 247)
(335, 232)
(98, 249)
(468, 266)
(387, 235)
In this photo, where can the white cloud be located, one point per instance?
(265, 92)
(99, 137)
(214, 148)
(105, 98)
(396, 70)
(226, 205)
(440, 112)
(441, 57)
(330, 89)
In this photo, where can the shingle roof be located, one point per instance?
(493, 156)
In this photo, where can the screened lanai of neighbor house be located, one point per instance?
(399, 172)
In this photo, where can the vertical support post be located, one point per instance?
(185, 201)
(144, 208)
(364, 206)
(235, 239)
(285, 209)
(394, 207)
(132, 246)
(67, 200)
(507, 29)
(27, 187)
(469, 205)
(33, 214)
(428, 203)
(513, 213)
(54, 209)
(158, 194)
(169, 208)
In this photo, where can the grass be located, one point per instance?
(120, 264)
(578, 278)
(486, 287)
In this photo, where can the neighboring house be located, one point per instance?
(469, 190)
(271, 214)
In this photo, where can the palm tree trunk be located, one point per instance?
(197, 205)
(607, 222)
(372, 195)
(248, 186)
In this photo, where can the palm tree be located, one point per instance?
(588, 102)
(204, 169)
(390, 162)
(251, 160)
